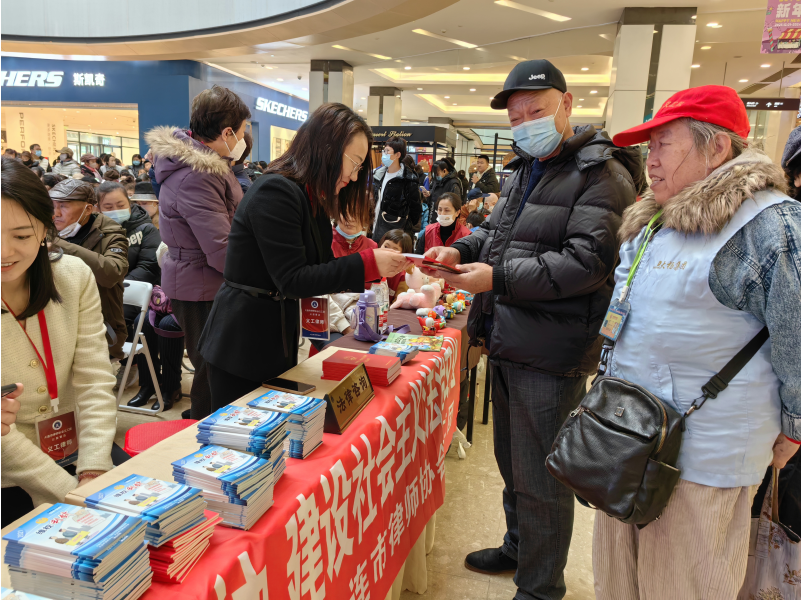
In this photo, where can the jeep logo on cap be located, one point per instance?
(540, 76)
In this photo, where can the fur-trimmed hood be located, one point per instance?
(707, 205)
(173, 148)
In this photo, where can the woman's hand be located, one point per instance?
(426, 193)
(389, 262)
(10, 407)
(783, 450)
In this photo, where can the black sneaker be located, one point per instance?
(490, 561)
(187, 414)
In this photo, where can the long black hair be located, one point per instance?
(20, 184)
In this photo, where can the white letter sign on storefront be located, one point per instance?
(282, 110)
(31, 78)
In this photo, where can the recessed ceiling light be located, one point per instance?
(706, 47)
(447, 97)
(714, 25)
(279, 79)
(579, 106)
(466, 68)
(533, 11)
(694, 66)
(446, 39)
(420, 89)
(363, 98)
(655, 31)
(472, 89)
(581, 99)
(743, 81)
(360, 110)
(397, 96)
(765, 66)
(272, 55)
(585, 68)
(454, 104)
(408, 68)
(694, 17)
(593, 91)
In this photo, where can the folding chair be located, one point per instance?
(137, 293)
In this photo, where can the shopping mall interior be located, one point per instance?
(97, 80)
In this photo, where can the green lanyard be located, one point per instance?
(649, 234)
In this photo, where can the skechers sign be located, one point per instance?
(282, 110)
(31, 78)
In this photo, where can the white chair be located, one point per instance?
(137, 293)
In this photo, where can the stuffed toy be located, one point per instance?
(426, 296)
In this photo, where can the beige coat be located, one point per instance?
(85, 380)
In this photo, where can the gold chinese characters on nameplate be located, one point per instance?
(347, 400)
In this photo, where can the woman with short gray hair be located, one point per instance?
(722, 265)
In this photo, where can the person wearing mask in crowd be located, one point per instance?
(474, 221)
(111, 164)
(727, 222)
(447, 229)
(147, 165)
(89, 167)
(10, 153)
(280, 250)
(484, 178)
(542, 272)
(25, 158)
(399, 241)
(198, 196)
(36, 150)
(395, 189)
(239, 165)
(51, 308)
(101, 243)
(66, 165)
(443, 182)
(136, 164)
(144, 196)
(475, 202)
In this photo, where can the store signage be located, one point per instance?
(31, 78)
(282, 110)
(411, 133)
(771, 103)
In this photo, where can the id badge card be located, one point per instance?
(58, 438)
(314, 321)
(614, 319)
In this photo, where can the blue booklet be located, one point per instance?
(293, 405)
(305, 418)
(245, 429)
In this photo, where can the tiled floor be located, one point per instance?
(471, 518)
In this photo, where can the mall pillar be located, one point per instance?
(330, 81)
(652, 60)
(384, 107)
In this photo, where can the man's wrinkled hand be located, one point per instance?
(475, 278)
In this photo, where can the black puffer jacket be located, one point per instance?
(143, 241)
(449, 183)
(553, 269)
(400, 206)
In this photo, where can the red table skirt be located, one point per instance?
(345, 519)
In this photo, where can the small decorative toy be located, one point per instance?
(458, 306)
(466, 296)
(430, 325)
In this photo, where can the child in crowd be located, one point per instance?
(397, 239)
(474, 221)
(447, 229)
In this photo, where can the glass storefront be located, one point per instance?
(83, 142)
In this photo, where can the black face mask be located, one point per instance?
(27, 163)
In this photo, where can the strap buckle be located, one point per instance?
(713, 387)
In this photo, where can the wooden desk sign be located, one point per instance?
(347, 400)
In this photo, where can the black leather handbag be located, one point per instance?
(618, 450)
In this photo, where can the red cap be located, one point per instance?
(716, 104)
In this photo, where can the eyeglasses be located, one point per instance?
(357, 168)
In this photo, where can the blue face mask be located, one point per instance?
(386, 160)
(439, 177)
(538, 138)
(120, 216)
(38, 153)
(136, 163)
(349, 236)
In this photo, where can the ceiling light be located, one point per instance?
(360, 110)
(714, 25)
(533, 11)
(397, 96)
(694, 17)
(472, 89)
(694, 66)
(446, 39)
(408, 68)
(706, 47)
(447, 97)
(655, 31)
(454, 104)
(765, 66)
(305, 89)
(363, 98)
(279, 79)
(420, 89)
(581, 99)
(338, 47)
(465, 68)
(743, 81)
(579, 106)
(593, 91)
(517, 58)
(585, 68)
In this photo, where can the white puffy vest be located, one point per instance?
(678, 335)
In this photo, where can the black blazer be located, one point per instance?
(271, 247)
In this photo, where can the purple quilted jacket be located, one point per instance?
(199, 194)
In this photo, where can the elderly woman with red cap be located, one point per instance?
(710, 257)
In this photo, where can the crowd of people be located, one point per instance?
(713, 235)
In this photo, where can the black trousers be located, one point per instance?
(166, 354)
(789, 494)
(225, 387)
(192, 317)
(16, 503)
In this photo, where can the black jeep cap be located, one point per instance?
(530, 75)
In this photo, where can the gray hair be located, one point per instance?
(704, 137)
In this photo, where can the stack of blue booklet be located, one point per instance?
(9, 594)
(247, 430)
(167, 508)
(72, 552)
(238, 486)
(305, 419)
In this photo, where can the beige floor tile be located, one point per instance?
(450, 587)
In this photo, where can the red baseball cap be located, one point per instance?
(716, 104)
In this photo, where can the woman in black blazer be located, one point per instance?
(279, 250)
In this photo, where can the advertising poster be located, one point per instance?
(782, 31)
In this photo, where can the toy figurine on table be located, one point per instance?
(464, 295)
(431, 323)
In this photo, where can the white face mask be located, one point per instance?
(64, 157)
(445, 220)
(72, 228)
(239, 148)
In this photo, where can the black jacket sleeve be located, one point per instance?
(415, 203)
(147, 265)
(280, 223)
(489, 184)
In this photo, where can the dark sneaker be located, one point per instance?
(143, 396)
(490, 561)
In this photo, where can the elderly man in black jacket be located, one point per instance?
(544, 264)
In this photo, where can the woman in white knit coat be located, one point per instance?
(64, 288)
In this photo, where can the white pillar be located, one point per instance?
(384, 107)
(330, 81)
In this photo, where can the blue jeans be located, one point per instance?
(528, 410)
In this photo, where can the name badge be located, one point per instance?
(58, 438)
(614, 319)
(314, 318)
